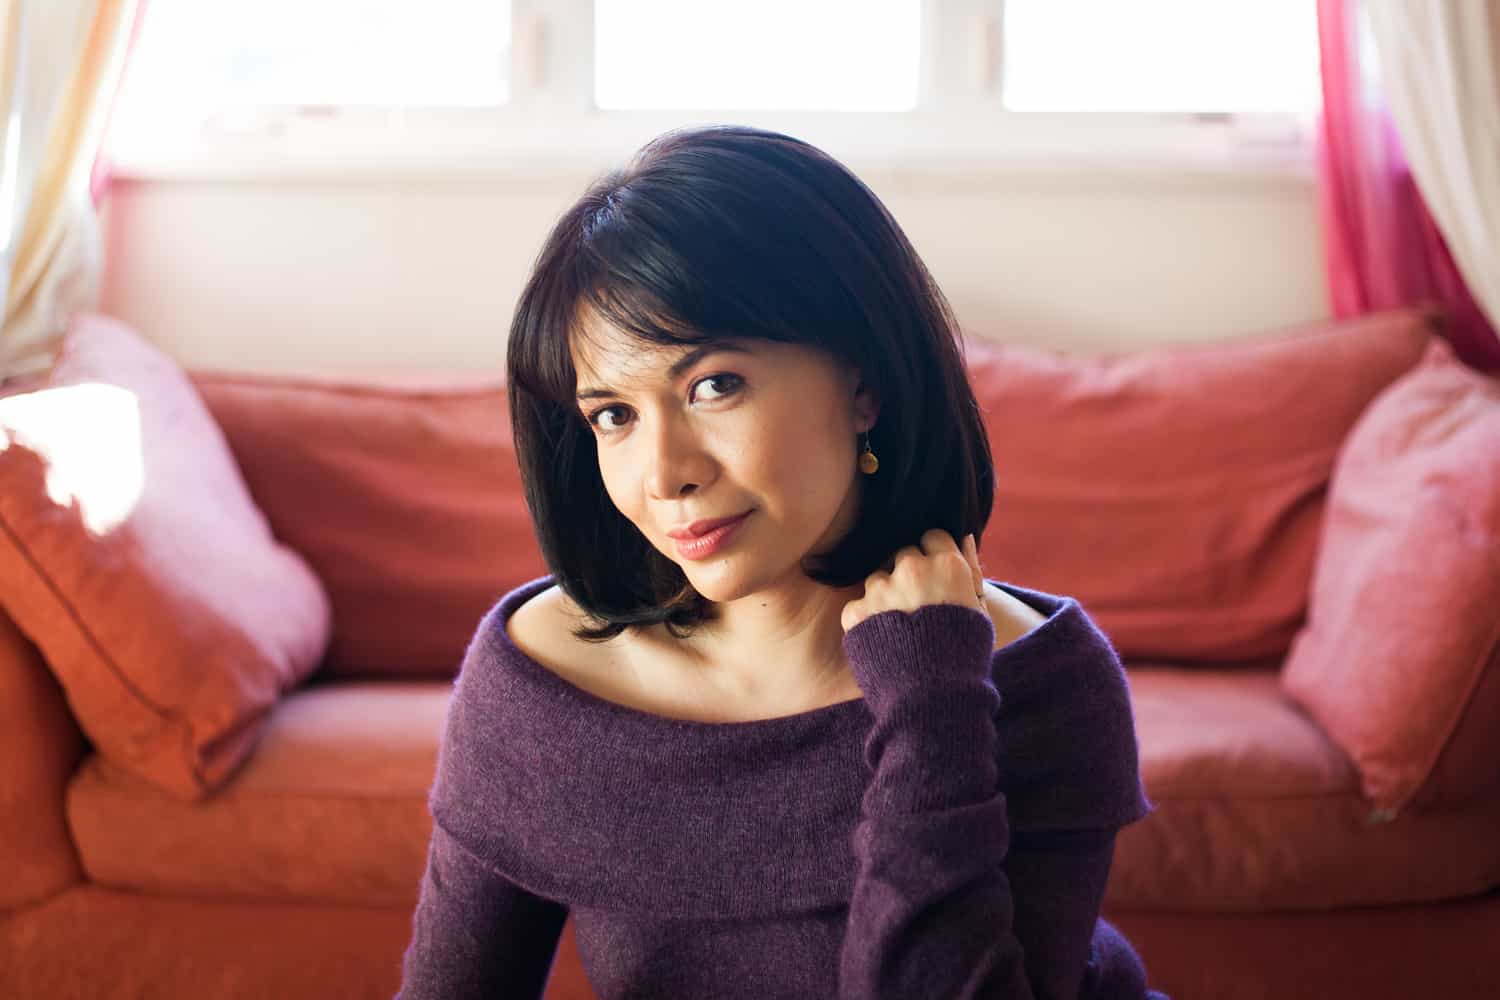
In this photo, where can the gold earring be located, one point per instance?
(868, 463)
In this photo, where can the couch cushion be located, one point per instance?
(93, 942)
(1258, 809)
(332, 806)
(1400, 658)
(401, 491)
(40, 746)
(136, 560)
(1178, 491)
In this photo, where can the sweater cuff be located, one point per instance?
(894, 650)
(925, 675)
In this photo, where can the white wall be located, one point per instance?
(370, 272)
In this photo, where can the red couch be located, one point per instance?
(1264, 872)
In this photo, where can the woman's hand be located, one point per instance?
(933, 572)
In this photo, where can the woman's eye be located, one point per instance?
(732, 381)
(595, 418)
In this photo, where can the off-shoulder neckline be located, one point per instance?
(1057, 609)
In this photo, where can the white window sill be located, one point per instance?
(563, 148)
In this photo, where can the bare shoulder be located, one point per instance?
(542, 628)
(1012, 616)
(624, 670)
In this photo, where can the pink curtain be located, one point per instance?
(102, 172)
(1381, 247)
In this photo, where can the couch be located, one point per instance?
(221, 697)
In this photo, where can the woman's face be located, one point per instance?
(762, 429)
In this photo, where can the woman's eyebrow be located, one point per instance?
(679, 366)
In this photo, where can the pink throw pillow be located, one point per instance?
(401, 491)
(1400, 658)
(1178, 491)
(133, 556)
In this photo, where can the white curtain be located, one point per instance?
(60, 65)
(1440, 66)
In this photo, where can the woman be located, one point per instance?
(766, 730)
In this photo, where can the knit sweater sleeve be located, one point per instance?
(933, 911)
(475, 933)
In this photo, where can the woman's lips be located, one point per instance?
(710, 542)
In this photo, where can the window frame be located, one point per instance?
(551, 125)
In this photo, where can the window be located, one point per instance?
(345, 85)
(197, 56)
(833, 55)
(1161, 55)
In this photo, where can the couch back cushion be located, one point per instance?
(400, 490)
(133, 556)
(1177, 492)
(40, 747)
(1400, 658)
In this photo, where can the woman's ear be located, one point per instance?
(866, 405)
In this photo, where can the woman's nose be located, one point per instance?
(677, 463)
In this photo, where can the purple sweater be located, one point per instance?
(948, 835)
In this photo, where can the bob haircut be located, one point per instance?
(722, 233)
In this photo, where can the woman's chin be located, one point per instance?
(715, 580)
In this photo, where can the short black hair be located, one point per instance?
(727, 232)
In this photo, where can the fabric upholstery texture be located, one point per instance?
(403, 494)
(40, 748)
(1400, 659)
(331, 807)
(133, 556)
(1177, 491)
(1257, 809)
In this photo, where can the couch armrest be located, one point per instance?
(40, 748)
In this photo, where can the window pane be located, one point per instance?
(212, 53)
(1161, 55)
(823, 55)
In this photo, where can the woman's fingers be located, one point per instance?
(971, 553)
